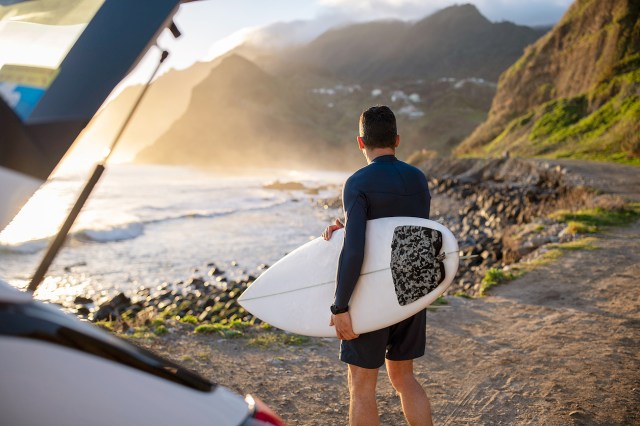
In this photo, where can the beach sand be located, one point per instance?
(557, 346)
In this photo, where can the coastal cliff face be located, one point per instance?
(574, 93)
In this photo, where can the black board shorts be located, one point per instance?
(400, 342)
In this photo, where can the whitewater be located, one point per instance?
(146, 225)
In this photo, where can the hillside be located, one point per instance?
(240, 115)
(167, 98)
(573, 94)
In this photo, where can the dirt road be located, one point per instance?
(557, 346)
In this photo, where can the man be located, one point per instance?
(386, 187)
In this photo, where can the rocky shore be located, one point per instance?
(498, 209)
(210, 298)
(503, 213)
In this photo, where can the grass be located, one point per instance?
(494, 277)
(588, 243)
(189, 319)
(440, 301)
(223, 330)
(106, 325)
(230, 330)
(589, 221)
(160, 329)
(267, 340)
(559, 114)
(553, 253)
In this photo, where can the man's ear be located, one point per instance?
(397, 141)
(360, 142)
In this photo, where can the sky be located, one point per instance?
(211, 27)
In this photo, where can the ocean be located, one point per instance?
(146, 225)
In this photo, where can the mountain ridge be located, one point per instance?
(314, 107)
(452, 42)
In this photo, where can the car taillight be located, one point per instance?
(261, 415)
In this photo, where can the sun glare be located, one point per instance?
(40, 218)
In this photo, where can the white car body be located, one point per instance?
(53, 375)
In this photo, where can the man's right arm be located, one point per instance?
(352, 255)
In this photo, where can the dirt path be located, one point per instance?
(617, 179)
(557, 346)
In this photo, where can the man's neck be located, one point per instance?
(372, 154)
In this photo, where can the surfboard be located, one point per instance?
(409, 262)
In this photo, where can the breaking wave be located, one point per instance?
(129, 230)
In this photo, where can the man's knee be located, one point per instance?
(362, 380)
(401, 376)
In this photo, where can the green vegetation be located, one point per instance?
(160, 329)
(157, 321)
(440, 301)
(558, 114)
(139, 333)
(107, 325)
(494, 277)
(591, 220)
(229, 330)
(556, 251)
(189, 319)
(588, 243)
(463, 294)
(223, 330)
(574, 228)
(266, 340)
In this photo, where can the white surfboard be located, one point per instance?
(296, 292)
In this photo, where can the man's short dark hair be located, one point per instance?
(378, 127)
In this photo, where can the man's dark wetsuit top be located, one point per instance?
(385, 188)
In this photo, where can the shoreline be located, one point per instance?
(499, 209)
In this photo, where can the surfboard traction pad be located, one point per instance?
(415, 267)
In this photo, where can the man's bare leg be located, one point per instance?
(415, 403)
(363, 408)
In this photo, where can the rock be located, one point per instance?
(83, 311)
(285, 186)
(196, 282)
(103, 313)
(214, 272)
(81, 300)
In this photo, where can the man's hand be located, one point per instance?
(329, 230)
(342, 323)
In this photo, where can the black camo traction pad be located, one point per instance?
(415, 268)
